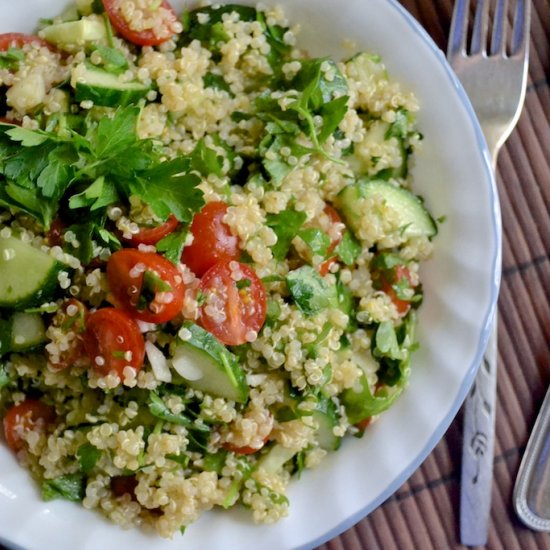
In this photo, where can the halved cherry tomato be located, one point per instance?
(4, 120)
(396, 275)
(152, 235)
(71, 319)
(113, 341)
(18, 40)
(30, 414)
(146, 285)
(234, 302)
(146, 37)
(213, 241)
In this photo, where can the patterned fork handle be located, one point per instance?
(478, 449)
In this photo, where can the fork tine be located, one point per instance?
(498, 39)
(520, 34)
(481, 24)
(459, 29)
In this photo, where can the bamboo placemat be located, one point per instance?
(424, 512)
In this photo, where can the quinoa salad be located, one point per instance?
(209, 256)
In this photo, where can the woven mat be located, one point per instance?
(423, 513)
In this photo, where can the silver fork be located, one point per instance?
(494, 77)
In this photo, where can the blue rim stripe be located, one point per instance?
(488, 323)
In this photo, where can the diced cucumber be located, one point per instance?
(208, 366)
(28, 275)
(276, 458)
(105, 89)
(71, 36)
(414, 219)
(27, 331)
(326, 418)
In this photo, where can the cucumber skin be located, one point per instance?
(7, 336)
(43, 293)
(108, 97)
(204, 341)
(419, 222)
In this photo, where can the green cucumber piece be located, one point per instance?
(326, 417)
(208, 366)
(70, 36)
(276, 458)
(414, 219)
(106, 89)
(28, 275)
(27, 331)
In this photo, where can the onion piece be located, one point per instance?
(145, 327)
(185, 367)
(159, 363)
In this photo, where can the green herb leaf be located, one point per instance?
(88, 456)
(348, 249)
(27, 138)
(212, 80)
(316, 240)
(310, 291)
(286, 225)
(173, 244)
(206, 161)
(69, 487)
(159, 409)
(113, 59)
(10, 59)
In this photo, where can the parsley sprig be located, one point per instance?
(90, 165)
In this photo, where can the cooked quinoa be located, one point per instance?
(296, 336)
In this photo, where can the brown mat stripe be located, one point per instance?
(423, 513)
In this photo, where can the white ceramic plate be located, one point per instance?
(461, 286)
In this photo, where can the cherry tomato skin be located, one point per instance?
(213, 241)
(18, 40)
(25, 416)
(125, 274)
(145, 37)
(400, 272)
(113, 341)
(152, 235)
(4, 120)
(232, 309)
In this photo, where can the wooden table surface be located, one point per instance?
(424, 512)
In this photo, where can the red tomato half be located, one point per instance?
(152, 235)
(397, 274)
(234, 302)
(18, 40)
(113, 341)
(146, 37)
(213, 241)
(30, 414)
(146, 285)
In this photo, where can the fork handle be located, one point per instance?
(478, 449)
